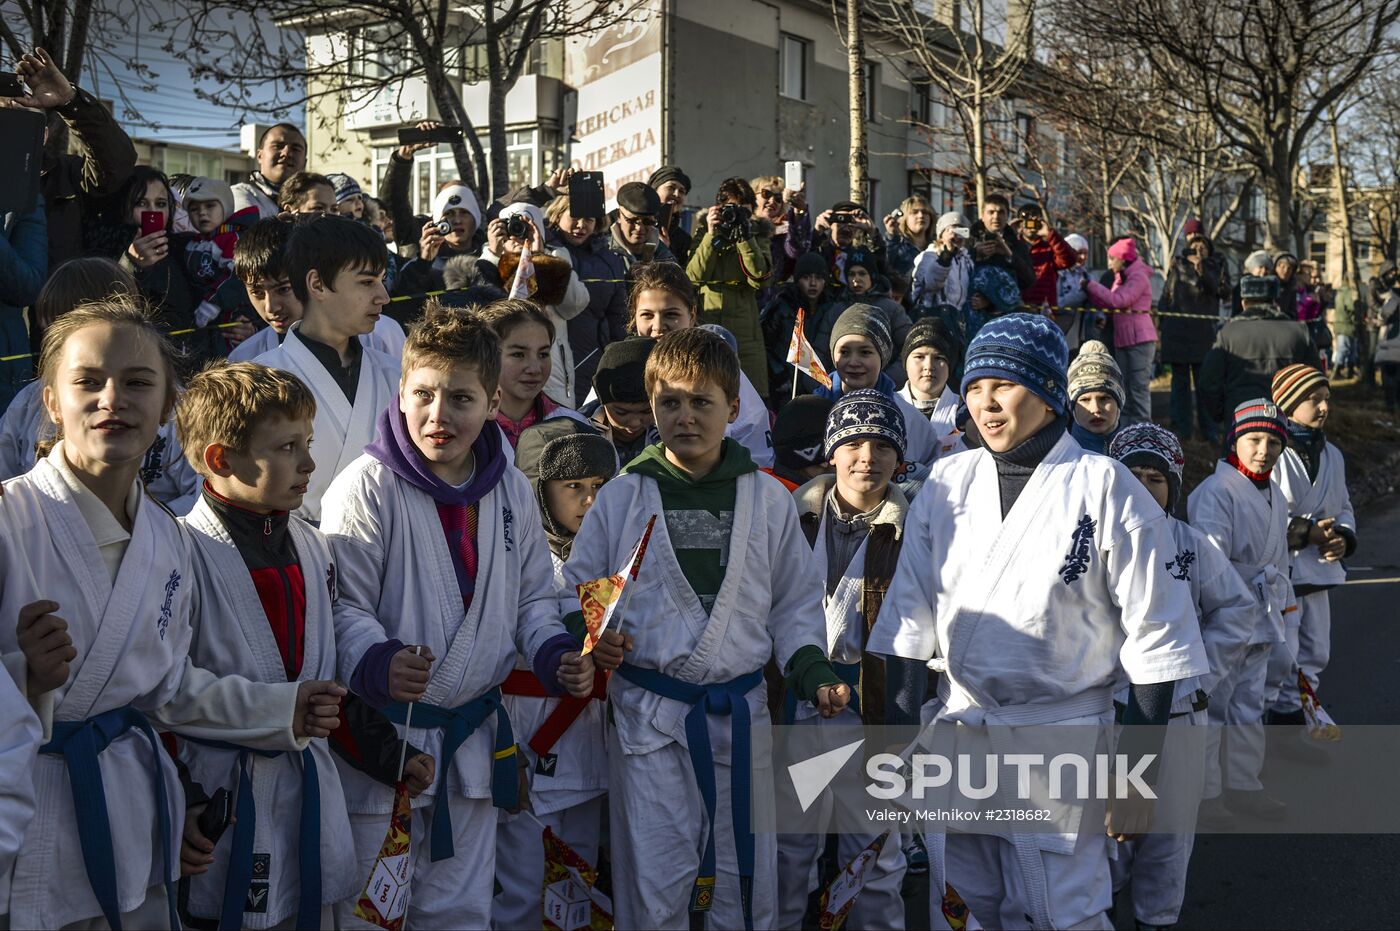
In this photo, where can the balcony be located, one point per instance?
(534, 100)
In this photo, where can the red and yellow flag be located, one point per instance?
(1320, 723)
(802, 355)
(569, 901)
(841, 895)
(956, 912)
(385, 897)
(599, 598)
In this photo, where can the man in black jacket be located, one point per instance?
(1197, 283)
(1250, 349)
(70, 183)
(994, 241)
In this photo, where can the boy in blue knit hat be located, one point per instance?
(1012, 580)
(854, 521)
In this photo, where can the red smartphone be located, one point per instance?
(152, 221)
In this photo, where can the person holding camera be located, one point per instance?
(1196, 285)
(845, 231)
(671, 185)
(786, 209)
(448, 234)
(1050, 254)
(910, 231)
(636, 235)
(994, 242)
(943, 271)
(730, 264)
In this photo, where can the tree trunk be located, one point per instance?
(496, 131)
(979, 143)
(1339, 185)
(1278, 209)
(855, 64)
(450, 105)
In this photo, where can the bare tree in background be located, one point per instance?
(971, 54)
(369, 47)
(1264, 71)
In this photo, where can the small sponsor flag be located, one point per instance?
(956, 912)
(569, 901)
(524, 284)
(840, 896)
(599, 598)
(1320, 723)
(802, 355)
(385, 897)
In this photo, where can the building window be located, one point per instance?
(531, 156)
(872, 91)
(872, 205)
(1025, 136)
(921, 103)
(1317, 254)
(792, 67)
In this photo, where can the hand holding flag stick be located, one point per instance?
(599, 600)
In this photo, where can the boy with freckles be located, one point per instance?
(728, 582)
(436, 541)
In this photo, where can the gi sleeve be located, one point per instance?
(1227, 609)
(905, 625)
(351, 519)
(796, 618)
(1162, 636)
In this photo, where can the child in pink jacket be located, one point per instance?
(1134, 334)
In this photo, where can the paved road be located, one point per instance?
(1322, 881)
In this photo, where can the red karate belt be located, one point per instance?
(525, 683)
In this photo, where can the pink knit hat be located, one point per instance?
(1125, 249)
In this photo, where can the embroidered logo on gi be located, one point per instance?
(1183, 562)
(150, 466)
(330, 581)
(507, 521)
(546, 764)
(171, 585)
(1077, 559)
(256, 900)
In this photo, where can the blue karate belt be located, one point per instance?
(848, 673)
(239, 878)
(720, 698)
(457, 725)
(80, 743)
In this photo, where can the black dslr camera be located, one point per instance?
(517, 227)
(735, 223)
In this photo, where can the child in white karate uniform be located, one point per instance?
(26, 428)
(1034, 575)
(269, 589)
(728, 583)
(259, 261)
(1156, 863)
(662, 300)
(436, 542)
(932, 358)
(567, 463)
(1244, 513)
(1321, 533)
(112, 657)
(854, 520)
(336, 267)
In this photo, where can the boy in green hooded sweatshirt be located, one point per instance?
(728, 582)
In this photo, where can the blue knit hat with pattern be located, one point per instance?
(1028, 349)
(865, 414)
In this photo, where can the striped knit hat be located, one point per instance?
(1293, 383)
(1257, 416)
(1095, 369)
(1027, 349)
(1146, 444)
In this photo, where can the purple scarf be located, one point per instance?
(393, 447)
